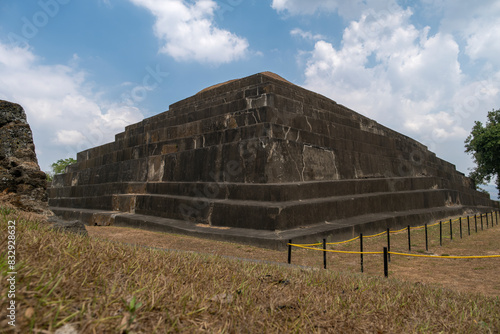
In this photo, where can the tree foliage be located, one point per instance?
(59, 166)
(484, 145)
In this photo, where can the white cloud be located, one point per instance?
(65, 114)
(477, 24)
(405, 60)
(306, 34)
(295, 7)
(404, 78)
(347, 9)
(483, 40)
(69, 137)
(106, 3)
(441, 126)
(189, 33)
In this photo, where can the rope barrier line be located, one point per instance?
(435, 224)
(381, 233)
(401, 254)
(333, 251)
(341, 242)
(316, 244)
(446, 257)
(401, 230)
(387, 250)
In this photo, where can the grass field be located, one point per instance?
(478, 275)
(100, 286)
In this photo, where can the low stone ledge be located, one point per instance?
(72, 226)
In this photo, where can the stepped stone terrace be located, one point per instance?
(260, 160)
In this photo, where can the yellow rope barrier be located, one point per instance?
(316, 244)
(381, 233)
(446, 257)
(333, 251)
(401, 230)
(342, 242)
(401, 254)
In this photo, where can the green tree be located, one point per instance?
(484, 145)
(59, 166)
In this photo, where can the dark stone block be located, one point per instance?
(261, 153)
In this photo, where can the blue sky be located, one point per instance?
(83, 70)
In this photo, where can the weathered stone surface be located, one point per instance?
(72, 226)
(21, 179)
(261, 153)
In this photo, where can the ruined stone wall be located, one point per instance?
(20, 176)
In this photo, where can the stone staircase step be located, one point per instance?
(256, 192)
(113, 196)
(337, 230)
(289, 214)
(292, 191)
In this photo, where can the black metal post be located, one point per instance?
(475, 221)
(486, 214)
(460, 221)
(468, 225)
(482, 222)
(324, 253)
(451, 230)
(426, 239)
(389, 242)
(409, 239)
(289, 251)
(361, 249)
(440, 233)
(386, 264)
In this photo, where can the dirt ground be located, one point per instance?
(464, 275)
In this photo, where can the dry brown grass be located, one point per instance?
(478, 276)
(93, 285)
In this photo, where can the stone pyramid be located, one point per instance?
(261, 160)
